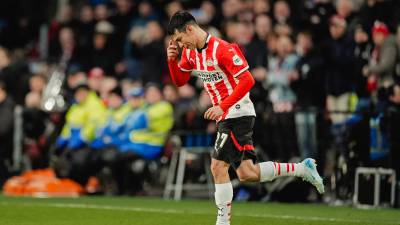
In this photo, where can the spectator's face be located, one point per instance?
(231, 7)
(344, 8)
(114, 101)
(100, 41)
(153, 95)
(101, 12)
(66, 37)
(378, 38)
(86, 15)
(95, 82)
(284, 46)
(37, 84)
(281, 11)
(154, 31)
(81, 95)
(261, 6)
(336, 31)
(360, 36)
(145, 9)
(395, 98)
(263, 26)
(66, 14)
(124, 6)
(304, 41)
(4, 59)
(170, 93)
(136, 101)
(74, 79)
(173, 7)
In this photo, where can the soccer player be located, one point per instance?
(225, 75)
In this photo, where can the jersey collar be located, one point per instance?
(206, 44)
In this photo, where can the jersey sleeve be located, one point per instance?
(184, 63)
(232, 59)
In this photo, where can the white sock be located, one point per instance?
(223, 200)
(271, 170)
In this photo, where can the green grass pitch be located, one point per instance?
(152, 211)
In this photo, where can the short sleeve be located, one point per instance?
(232, 59)
(184, 63)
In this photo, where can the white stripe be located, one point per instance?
(203, 53)
(228, 85)
(188, 54)
(214, 55)
(185, 70)
(241, 71)
(197, 60)
(193, 212)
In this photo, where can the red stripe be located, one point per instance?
(200, 60)
(292, 167)
(279, 169)
(222, 89)
(275, 165)
(213, 94)
(209, 56)
(230, 77)
(287, 167)
(238, 146)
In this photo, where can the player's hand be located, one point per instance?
(172, 51)
(213, 113)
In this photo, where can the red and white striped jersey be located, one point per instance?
(217, 65)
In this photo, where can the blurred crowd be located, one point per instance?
(324, 69)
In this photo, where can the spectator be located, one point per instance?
(148, 142)
(281, 72)
(362, 53)
(310, 94)
(85, 30)
(82, 119)
(116, 115)
(382, 64)
(103, 54)
(256, 51)
(15, 75)
(6, 132)
(95, 79)
(339, 60)
(101, 12)
(152, 53)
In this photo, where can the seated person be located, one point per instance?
(148, 128)
(116, 116)
(81, 119)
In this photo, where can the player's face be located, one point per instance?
(185, 39)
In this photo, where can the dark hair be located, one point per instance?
(179, 21)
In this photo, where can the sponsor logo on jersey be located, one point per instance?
(237, 61)
(209, 77)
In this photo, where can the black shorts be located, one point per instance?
(234, 141)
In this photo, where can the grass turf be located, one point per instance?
(152, 211)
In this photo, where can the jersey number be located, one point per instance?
(220, 141)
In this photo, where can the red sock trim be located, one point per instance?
(287, 167)
(279, 169)
(292, 167)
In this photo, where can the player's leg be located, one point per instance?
(268, 171)
(223, 191)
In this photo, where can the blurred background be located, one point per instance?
(87, 105)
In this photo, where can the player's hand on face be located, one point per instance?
(213, 113)
(172, 51)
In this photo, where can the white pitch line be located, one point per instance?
(171, 211)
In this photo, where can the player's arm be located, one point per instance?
(246, 82)
(178, 76)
